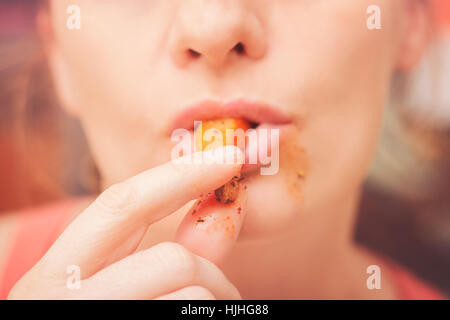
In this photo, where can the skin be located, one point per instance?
(126, 75)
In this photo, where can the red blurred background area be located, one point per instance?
(441, 12)
(16, 16)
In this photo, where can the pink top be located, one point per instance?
(39, 227)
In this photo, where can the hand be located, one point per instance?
(102, 242)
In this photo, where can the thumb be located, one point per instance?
(210, 229)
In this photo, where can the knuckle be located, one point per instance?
(197, 293)
(179, 259)
(118, 197)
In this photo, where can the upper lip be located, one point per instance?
(255, 112)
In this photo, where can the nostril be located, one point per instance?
(239, 48)
(193, 53)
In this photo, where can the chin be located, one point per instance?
(273, 206)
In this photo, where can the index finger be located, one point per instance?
(113, 225)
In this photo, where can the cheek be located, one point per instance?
(342, 73)
(340, 150)
(321, 164)
(114, 102)
(324, 49)
(275, 201)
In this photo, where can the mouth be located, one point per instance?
(257, 114)
(261, 117)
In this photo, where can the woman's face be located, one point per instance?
(135, 66)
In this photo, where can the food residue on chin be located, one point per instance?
(294, 163)
(301, 174)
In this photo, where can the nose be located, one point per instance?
(216, 32)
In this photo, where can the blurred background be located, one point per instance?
(405, 209)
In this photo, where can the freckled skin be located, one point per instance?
(294, 163)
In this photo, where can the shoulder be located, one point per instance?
(47, 219)
(29, 233)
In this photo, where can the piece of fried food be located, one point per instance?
(228, 193)
(220, 126)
